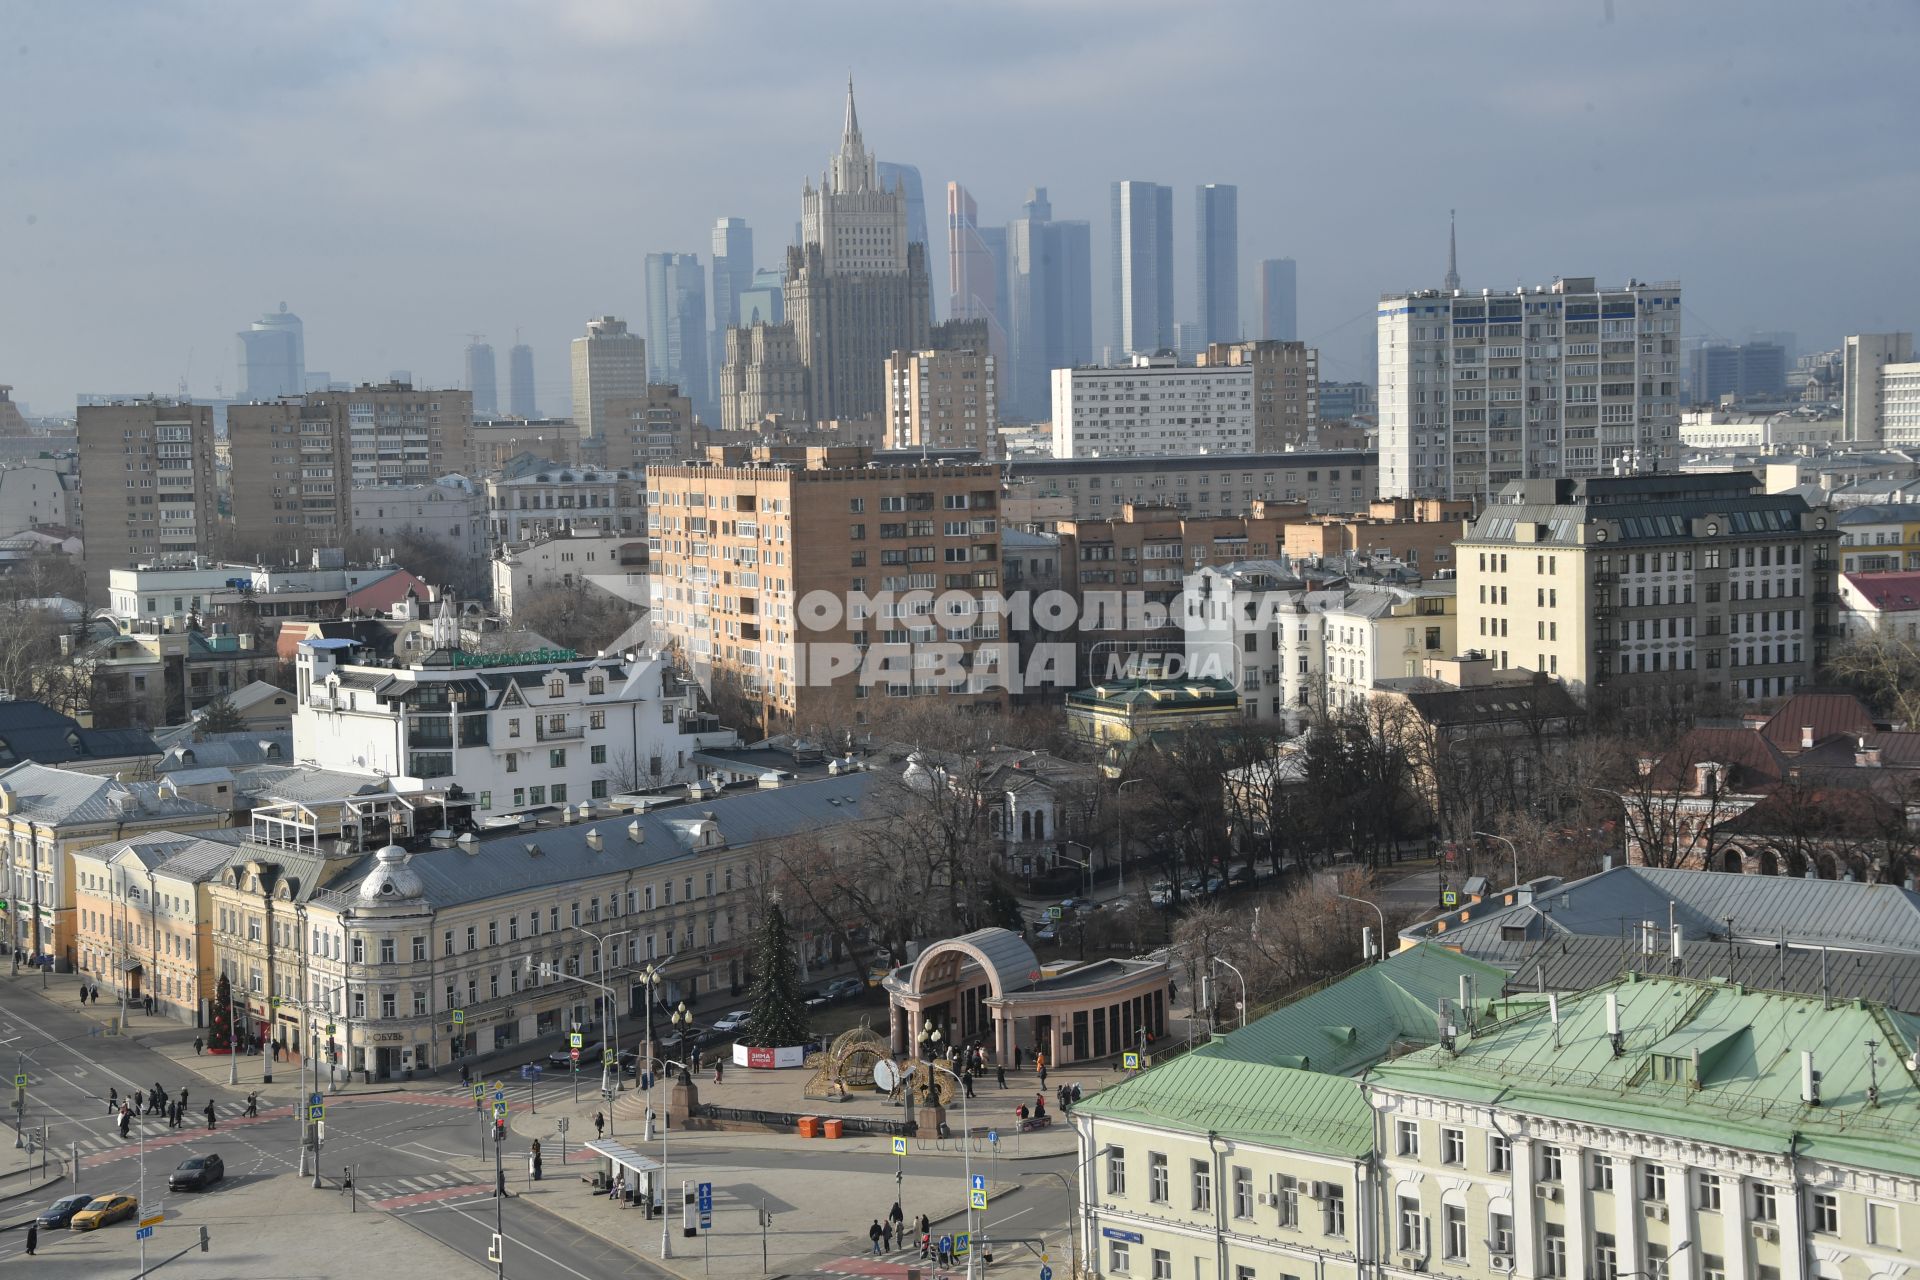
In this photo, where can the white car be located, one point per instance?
(734, 1021)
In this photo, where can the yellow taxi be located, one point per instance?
(103, 1210)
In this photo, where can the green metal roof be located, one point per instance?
(1347, 1026)
(1748, 1091)
(1248, 1101)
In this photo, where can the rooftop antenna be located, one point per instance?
(1447, 1028)
(1873, 1073)
(1614, 1037)
(1809, 1079)
(1553, 1011)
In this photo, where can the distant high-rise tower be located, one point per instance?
(1279, 300)
(1452, 282)
(894, 176)
(857, 287)
(976, 281)
(677, 326)
(732, 277)
(762, 301)
(609, 361)
(520, 398)
(1216, 263)
(273, 357)
(481, 380)
(1049, 305)
(1142, 268)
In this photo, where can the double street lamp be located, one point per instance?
(1511, 848)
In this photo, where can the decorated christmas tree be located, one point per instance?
(779, 1010)
(220, 1025)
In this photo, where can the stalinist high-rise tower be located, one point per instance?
(857, 290)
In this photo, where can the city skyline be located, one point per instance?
(1737, 224)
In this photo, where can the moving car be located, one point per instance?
(735, 1021)
(845, 989)
(60, 1212)
(102, 1210)
(1043, 931)
(819, 998)
(561, 1058)
(197, 1173)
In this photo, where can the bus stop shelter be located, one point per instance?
(642, 1173)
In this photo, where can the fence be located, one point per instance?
(787, 1121)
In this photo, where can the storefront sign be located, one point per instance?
(387, 1037)
(527, 658)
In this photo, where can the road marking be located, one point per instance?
(523, 1245)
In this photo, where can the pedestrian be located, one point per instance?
(210, 1115)
(33, 1237)
(113, 1100)
(1017, 1052)
(1000, 1073)
(198, 1045)
(95, 988)
(717, 1065)
(1043, 1077)
(599, 1124)
(534, 1151)
(126, 1120)
(183, 1097)
(966, 1078)
(173, 1115)
(873, 1233)
(898, 1220)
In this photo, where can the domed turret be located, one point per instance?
(391, 879)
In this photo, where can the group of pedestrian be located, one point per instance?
(1066, 1095)
(886, 1232)
(89, 994)
(157, 1102)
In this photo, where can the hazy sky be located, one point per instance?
(403, 173)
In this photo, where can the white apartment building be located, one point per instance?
(444, 514)
(1261, 627)
(1866, 360)
(1384, 633)
(39, 491)
(522, 570)
(551, 498)
(1561, 380)
(1155, 405)
(519, 731)
(1900, 405)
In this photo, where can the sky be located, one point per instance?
(402, 175)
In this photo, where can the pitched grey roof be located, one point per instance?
(62, 798)
(187, 857)
(303, 784)
(504, 866)
(234, 751)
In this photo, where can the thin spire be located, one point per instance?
(1452, 250)
(850, 131)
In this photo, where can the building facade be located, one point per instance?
(291, 475)
(273, 356)
(677, 324)
(1199, 485)
(607, 362)
(1900, 405)
(521, 401)
(140, 911)
(1216, 260)
(442, 514)
(976, 274)
(401, 434)
(1652, 587)
(1279, 300)
(1564, 380)
(1141, 227)
(537, 497)
(944, 399)
(1286, 389)
(1049, 305)
(740, 541)
(1864, 364)
(765, 376)
(1154, 405)
(482, 382)
(567, 560)
(857, 288)
(147, 470)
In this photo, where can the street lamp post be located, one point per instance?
(1085, 865)
(966, 1125)
(1243, 986)
(1512, 848)
(929, 1039)
(682, 1020)
(612, 1012)
(1381, 952)
(553, 971)
(1121, 828)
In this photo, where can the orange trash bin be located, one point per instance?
(832, 1128)
(809, 1127)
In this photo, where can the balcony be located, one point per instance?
(568, 731)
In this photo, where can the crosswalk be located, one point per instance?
(425, 1188)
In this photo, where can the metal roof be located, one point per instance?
(60, 798)
(1748, 1099)
(1249, 1101)
(1356, 1021)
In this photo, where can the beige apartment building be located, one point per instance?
(607, 362)
(401, 434)
(140, 911)
(1652, 587)
(147, 470)
(904, 556)
(290, 480)
(943, 400)
(1286, 388)
(763, 377)
(656, 427)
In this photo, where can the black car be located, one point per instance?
(197, 1173)
(58, 1214)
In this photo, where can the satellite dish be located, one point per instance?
(886, 1076)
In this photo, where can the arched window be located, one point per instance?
(1026, 826)
(1040, 825)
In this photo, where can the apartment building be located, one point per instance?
(1379, 633)
(496, 441)
(39, 491)
(740, 542)
(147, 470)
(519, 730)
(1879, 537)
(290, 482)
(1259, 626)
(1286, 389)
(1866, 361)
(1564, 380)
(656, 427)
(1047, 490)
(608, 361)
(566, 560)
(1652, 587)
(944, 399)
(140, 912)
(536, 496)
(400, 434)
(1418, 532)
(445, 515)
(1900, 405)
(764, 376)
(1153, 405)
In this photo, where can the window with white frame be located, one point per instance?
(1116, 1172)
(1409, 1221)
(1453, 1222)
(1453, 1146)
(1406, 1136)
(1157, 1189)
(1118, 1260)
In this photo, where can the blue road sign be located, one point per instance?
(978, 1182)
(498, 1093)
(993, 1136)
(962, 1243)
(1046, 1273)
(706, 1206)
(316, 1099)
(144, 1233)
(946, 1242)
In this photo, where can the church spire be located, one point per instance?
(1453, 256)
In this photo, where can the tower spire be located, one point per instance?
(850, 131)
(1452, 248)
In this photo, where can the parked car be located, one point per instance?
(1043, 931)
(845, 989)
(103, 1210)
(60, 1212)
(197, 1173)
(735, 1021)
(1162, 896)
(819, 998)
